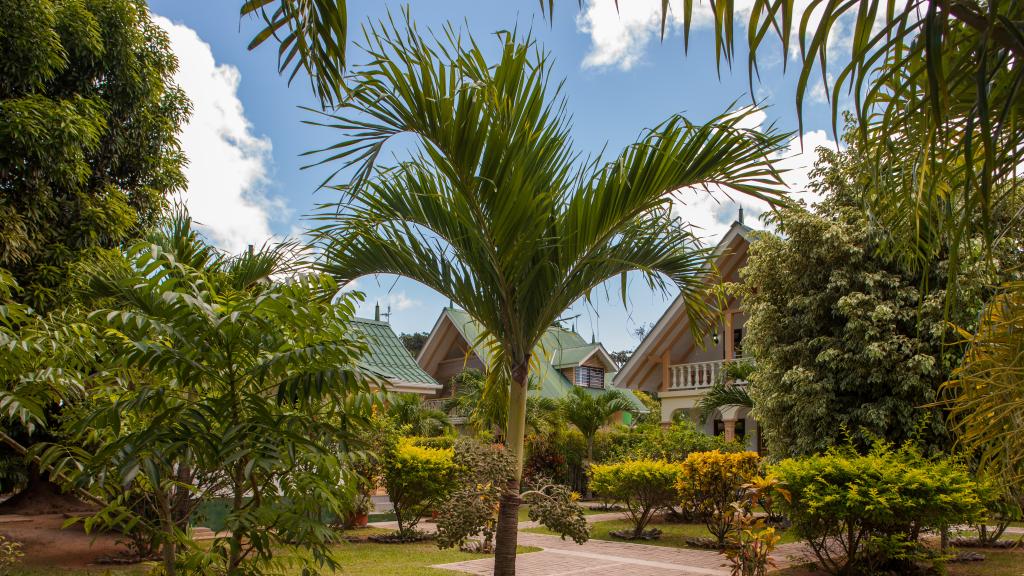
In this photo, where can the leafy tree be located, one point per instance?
(847, 338)
(621, 357)
(496, 211)
(414, 342)
(89, 119)
(223, 376)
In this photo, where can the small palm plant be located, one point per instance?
(589, 411)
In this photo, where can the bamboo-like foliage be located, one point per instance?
(987, 390)
(494, 209)
(311, 35)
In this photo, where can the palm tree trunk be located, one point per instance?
(508, 512)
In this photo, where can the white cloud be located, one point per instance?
(619, 35)
(395, 301)
(711, 214)
(228, 163)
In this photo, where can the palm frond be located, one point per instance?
(311, 36)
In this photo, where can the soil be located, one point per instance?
(44, 543)
(43, 497)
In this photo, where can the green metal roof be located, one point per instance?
(559, 348)
(387, 357)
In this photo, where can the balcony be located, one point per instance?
(698, 375)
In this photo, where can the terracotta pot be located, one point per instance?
(359, 520)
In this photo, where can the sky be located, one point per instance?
(248, 177)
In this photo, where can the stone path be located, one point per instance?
(608, 558)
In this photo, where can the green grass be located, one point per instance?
(355, 558)
(524, 512)
(673, 535)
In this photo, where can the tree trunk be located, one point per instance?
(508, 512)
(586, 467)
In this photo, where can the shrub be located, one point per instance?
(864, 513)
(437, 442)
(417, 480)
(643, 486)
(711, 482)
(652, 442)
(556, 457)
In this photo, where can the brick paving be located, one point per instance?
(607, 558)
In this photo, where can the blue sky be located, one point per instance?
(246, 136)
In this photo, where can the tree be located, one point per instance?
(847, 340)
(414, 342)
(494, 210)
(588, 411)
(89, 118)
(621, 357)
(221, 376)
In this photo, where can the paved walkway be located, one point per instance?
(610, 558)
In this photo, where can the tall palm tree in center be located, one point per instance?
(489, 204)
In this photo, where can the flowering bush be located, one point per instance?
(864, 513)
(711, 482)
(643, 486)
(417, 480)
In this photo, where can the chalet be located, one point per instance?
(678, 370)
(388, 359)
(563, 359)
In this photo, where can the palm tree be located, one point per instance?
(726, 392)
(407, 410)
(495, 210)
(588, 411)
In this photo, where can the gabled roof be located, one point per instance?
(389, 359)
(736, 231)
(559, 348)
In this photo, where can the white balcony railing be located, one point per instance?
(696, 375)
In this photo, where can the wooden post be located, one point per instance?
(728, 334)
(665, 373)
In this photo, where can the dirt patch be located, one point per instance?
(44, 543)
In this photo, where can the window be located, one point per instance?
(589, 377)
(737, 343)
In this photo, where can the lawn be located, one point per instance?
(355, 558)
(672, 534)
(996, 563)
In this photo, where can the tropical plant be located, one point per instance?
(750, 543)
(418, 480)
(728, 391)
(864, 513)
(711, 482)
(408, 413)
(984, 393)
(10, 553)
(311, 36)
(645, 487)
(494, 209)
(222, 377)
(589, 411)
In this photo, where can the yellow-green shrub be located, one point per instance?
(709, 484)
(643, 486)
(417, 480)
(863, 513)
